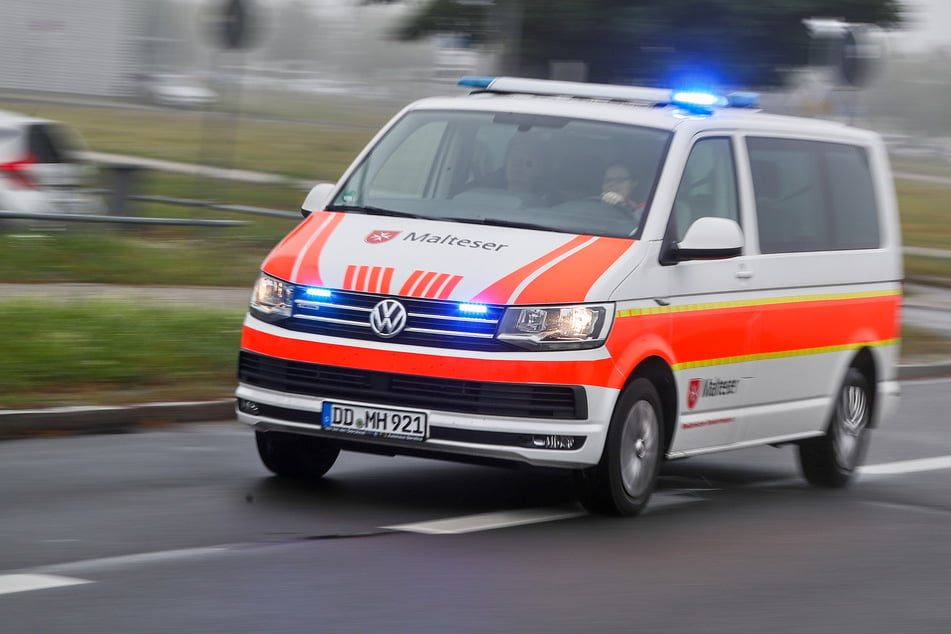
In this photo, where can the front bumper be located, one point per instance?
(495, 438)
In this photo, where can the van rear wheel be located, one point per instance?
(623, 481)
(832, 460)
(295, 455)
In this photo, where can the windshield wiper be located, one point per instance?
(499, 222)
(373, 211)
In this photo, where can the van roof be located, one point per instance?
(652, 107)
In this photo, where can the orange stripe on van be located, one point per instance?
(501, 291)
(373, 284)
(386, 281)
(422, 284)
(572, 278)
(361, 283)
(407, 288)
(309, 272)
(280, 263)
(717, 333)
(349, 277)
(433, 289)
(597, 372)
(449, 287)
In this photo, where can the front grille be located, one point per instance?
(431, 323)
(407, 390)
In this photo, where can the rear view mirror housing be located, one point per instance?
(707, 238)
(317, 198)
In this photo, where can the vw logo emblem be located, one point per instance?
(388, 318)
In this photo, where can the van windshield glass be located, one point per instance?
(554, 173)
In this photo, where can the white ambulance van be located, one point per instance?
(589, 277)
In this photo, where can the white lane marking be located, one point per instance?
(26, 582)
(507, 519)
(488, 521)
(132, 560)
(907, 466)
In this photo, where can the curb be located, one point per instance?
(923, 371)
(96, 419)
(113, 419)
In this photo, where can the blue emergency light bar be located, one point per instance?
(693, 101)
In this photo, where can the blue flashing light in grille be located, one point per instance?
(473, 309)
(322, 293)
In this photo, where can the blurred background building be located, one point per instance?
(93, 47)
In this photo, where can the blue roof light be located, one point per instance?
(473, 309)
(696, 101)
(476, 82)
(743, 99)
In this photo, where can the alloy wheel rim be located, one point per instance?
(639, 448)
(851, 420)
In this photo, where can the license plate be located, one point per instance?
(399, 424)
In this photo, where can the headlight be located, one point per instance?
(271, 297)
(557, 327)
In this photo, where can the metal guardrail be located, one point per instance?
(193, 222)
(188, 202)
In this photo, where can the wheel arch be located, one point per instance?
(656, 370)
(864, 362)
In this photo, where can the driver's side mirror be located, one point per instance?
(317, 199)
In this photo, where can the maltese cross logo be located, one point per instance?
(380, 235)
(693, 393)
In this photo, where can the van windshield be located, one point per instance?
(552, 173)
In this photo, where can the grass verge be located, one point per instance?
(115, 352)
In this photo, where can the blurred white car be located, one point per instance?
(40, 168)
(183, 91)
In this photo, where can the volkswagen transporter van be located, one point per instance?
(588, 277)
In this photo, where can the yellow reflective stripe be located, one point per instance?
(785, 354)
(746, 303)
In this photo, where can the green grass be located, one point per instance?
(925, 213)
(147, 258)
(304, 150)
(114, 352)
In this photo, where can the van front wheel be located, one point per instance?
(295, 455)
(622, 482)
(831, 460)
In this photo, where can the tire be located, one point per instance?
(623, 481)
(831, 460)
(294, 455)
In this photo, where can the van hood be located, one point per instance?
(451, 260)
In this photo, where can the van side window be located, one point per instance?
(708, 185)
(812, 196)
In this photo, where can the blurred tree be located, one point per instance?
(291, 34)
(652, 42)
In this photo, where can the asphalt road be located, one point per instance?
(181, 530)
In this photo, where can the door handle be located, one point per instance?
(744, 274)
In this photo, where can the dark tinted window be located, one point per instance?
(812, 196)
(50, 144)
